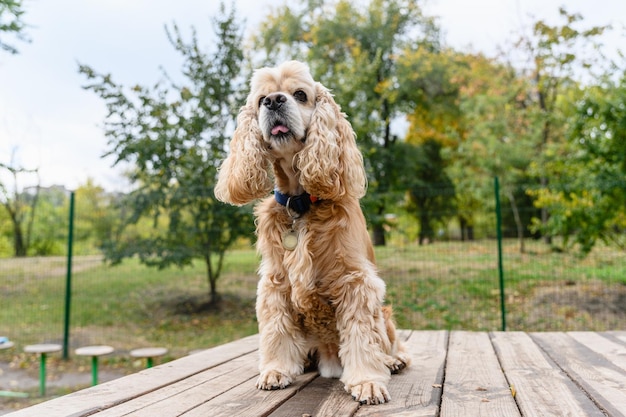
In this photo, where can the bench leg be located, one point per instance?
(13, 394)
(94, 370)
(42, 375)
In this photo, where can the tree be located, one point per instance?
(498, 139)
(20, 205)
(430, 191)
(49, 229)
(591, 204)
(11, 12)
(435, 126)
(175, 135)
(354, 49)
(96, 217)
(556, 55)
(514, 116)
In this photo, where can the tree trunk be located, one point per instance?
(378, 235)
(19, 246)
(547, 239)
(212, 277)
(463, 225)
(214, 294)
(378, 230)
(426, 231)
(467, 230)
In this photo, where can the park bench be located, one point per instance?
(454, 373)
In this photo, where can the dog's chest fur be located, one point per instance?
(309, 291)
(320, 322)
(305, 267)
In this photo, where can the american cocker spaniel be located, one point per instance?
(319, 292)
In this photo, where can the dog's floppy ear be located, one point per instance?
(331, 166)
(244, 176)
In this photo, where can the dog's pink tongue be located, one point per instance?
(279, 128)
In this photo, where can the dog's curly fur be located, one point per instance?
(324, 296)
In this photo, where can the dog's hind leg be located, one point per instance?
(399, 357)
(365, 347)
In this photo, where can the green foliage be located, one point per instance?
(20, 205)
(429, 189)
(50, 228)
(96, 217)
(591, 205)
(430, 89)
(354, 49)
(6, 235)
(175, 136)
(514, 122)
(559, 57)
(550, 126)
(11, 12)
(497, 138)
(384, 62)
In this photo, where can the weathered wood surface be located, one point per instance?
(454, 374)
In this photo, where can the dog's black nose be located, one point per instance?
(274, 101)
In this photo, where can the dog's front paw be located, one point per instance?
(272, 379)
(369, 393)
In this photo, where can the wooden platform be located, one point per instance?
(463, 374)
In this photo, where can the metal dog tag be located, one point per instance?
(290, 240)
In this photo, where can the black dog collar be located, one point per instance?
(297, 203)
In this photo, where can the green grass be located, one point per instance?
(448, 285)
(128, 305)
(455, 285)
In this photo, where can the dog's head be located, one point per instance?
(292, 124)
(285, 98)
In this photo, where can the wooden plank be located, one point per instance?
(416, 391)
(615, 352)
(617, 335)
(474, 383)
(324, 397)
(182, 396)
(246, 400)
(604, 381)
(542, 389)
(101, 397)
(554, 374)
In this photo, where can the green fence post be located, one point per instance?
(496, 184)
(68, 280)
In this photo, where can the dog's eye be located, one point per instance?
(300, 96)
(261, 100)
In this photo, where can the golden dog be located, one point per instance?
(319, 290)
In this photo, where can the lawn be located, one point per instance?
(455, 285)
(447, 285)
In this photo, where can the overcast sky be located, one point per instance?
(55, 125)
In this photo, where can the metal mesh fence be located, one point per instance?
(449, 281)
